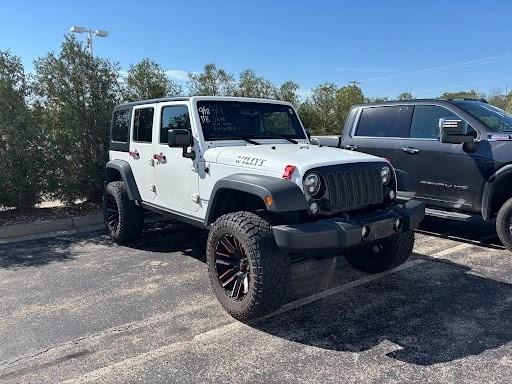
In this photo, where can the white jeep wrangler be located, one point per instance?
(245, 170)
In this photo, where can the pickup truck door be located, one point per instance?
(375, 130)
(440, 174)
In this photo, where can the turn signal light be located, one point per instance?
(288, 172)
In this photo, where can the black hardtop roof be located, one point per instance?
(414, 101)
(151, 101)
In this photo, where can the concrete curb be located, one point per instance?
(78, 223)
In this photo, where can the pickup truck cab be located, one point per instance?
(454, 155)
(245, 170)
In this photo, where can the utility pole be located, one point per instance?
(90, 34)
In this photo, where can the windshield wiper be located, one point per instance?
(234, 138)
(279, 137)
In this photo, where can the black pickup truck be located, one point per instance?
(455, 155)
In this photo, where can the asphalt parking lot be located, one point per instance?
(77, 308)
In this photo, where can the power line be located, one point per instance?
(442, 68)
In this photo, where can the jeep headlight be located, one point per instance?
(312, 184)
(385, 174)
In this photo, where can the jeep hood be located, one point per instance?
(275, 157)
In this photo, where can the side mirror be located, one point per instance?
(453, 132)
(314, 141)
(179, 138)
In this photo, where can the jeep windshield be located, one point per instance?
(235, 120)
(496, 119)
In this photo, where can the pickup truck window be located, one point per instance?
(173, 117)
(496, 119)
(224, 120)
(425, 121)
(378, 122)
(143, 125)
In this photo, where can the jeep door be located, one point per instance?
(141, 149)
(176, 177)
(440, 174)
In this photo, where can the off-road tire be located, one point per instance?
(268, 266)
(503, 224)
(393, 251)
(130, 218)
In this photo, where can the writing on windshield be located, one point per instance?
(230, 119)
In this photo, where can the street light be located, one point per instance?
(90, 32)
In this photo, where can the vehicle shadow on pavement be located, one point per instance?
(172, 236)
(433, 313)
(40, 252)
(475, 231)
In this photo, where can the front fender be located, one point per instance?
(490, 189)
(286, 195)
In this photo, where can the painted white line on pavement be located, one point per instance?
(449, 251)
(131, 362)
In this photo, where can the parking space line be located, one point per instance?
(152, 354)
(451, 250)
(340, 288)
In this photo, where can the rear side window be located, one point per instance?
(121, 125)
(425, 121)
(378, 122)
(173, 117)
(143, 125)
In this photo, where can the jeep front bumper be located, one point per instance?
(343, 232)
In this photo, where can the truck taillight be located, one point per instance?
(288, 171)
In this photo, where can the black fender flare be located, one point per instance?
(490, 189)
(126, 173)
(286, 195)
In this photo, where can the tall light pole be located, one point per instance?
(90, 32)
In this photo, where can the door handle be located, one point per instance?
(351, 147)
(410, 150)
(134, 154)
(159, 156)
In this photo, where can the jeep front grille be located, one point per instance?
(354, 189)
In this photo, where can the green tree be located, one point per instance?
(288, 91)
(405, 96)
(21, 154)
(346, 97)
(251, 85)
(320, 112)
(211, 82)
(77, 94)
(472, 94)
(376, 99)
(148, 80)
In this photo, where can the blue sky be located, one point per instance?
(425, 47)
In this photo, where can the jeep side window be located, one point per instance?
(121, 125)
(425, 121)
(378, 122)
(143, 125)
(173, 117)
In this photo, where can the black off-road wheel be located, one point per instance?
(382, 255)
(248, 272)
(504, 224)
(124, 220)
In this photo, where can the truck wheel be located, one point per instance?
(383, 254)
(504, 224)
(248, 272)
(124, 220)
